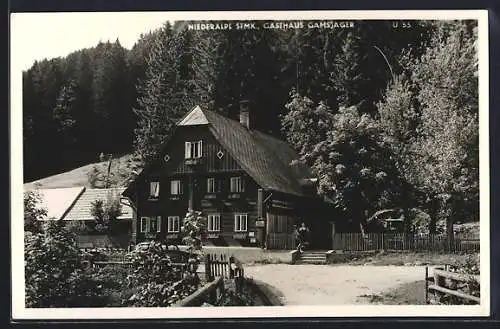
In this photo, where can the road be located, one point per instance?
(332, 285)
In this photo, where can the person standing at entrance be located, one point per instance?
(302, 233)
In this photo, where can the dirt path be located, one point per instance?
(333, 285)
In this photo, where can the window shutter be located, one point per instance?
(200, 150)
(158, 224)
(187, 150)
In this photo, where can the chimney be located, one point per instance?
(245, 114)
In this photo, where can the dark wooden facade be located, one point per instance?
(267, 211)
(194, 179)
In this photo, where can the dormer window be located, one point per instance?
(193, 150)
(154, 190)
(237, 185)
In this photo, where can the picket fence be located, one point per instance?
(403, 242)
(220, 266)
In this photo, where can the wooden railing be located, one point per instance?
(402, 241)
(210, 293)
(443, 282)
(127, 264)
(217, 269)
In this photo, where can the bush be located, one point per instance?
(232, 298)
(154, 277)
(55, 272)
(472, 286)
(32, 212)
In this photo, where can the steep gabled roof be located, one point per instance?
(193, 118)
(262, 156)
(58, 201)
(268, 160)
(75, 203)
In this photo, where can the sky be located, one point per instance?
(48, 35)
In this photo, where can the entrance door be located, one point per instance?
(320, 235)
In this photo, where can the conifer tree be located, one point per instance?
(164, 92)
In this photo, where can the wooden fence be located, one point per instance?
(444, 284)
(218, 268)
(222, 266)
(210, 293)
(403, 242)
(281, 241)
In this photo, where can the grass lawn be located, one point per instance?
(409, 258)
(78, 176)
(411, 293)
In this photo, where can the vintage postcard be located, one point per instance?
(285, 164)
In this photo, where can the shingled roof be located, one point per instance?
(81, 210)
(268, 160)
(58, 201)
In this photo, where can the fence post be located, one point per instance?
(208, 271)
(427, 284)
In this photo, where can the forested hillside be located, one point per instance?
(385, 115)
(83, 104)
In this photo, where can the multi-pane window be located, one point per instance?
(211, 185)
(154, 190)
(213, 222)
(173, 224)
(240, 222)
(144, 224)
(153, 224)
(175, 187)
(150, 224)
(193, 150)
(237, 185)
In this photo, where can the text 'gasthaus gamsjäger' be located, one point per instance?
(284, 25)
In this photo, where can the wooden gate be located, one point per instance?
(280, 235)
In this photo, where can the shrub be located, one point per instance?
(472, 286)
(54, 271)
(154, 277)
(33, 213)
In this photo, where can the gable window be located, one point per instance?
(211, 185)
(173, 224)
(213, 222)
(175, 187)
(154, 190)
(240, 222)
(193, 150)
(237, 185)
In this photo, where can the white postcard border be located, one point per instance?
(16, 184)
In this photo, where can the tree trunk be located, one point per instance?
(433, 210)
(406, 216)
(450, 221)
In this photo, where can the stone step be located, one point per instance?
(313, 257)
(313, 253)
(311, 262)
